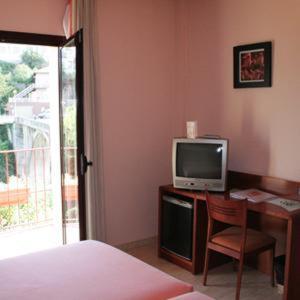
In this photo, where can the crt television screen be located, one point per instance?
(195, 160)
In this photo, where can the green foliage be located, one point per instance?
(27, 213)
(6, 90)
(69, 134)
(22, 74)
(71, 214)
(69, 126)
(36, 209)
(5, 144)
(15, 77)
(6, 67)
(6, 216)
(33, 59)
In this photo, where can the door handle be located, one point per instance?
(85, 163)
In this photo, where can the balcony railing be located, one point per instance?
(26, 191)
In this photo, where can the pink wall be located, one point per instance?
(196, 82)
(262, 123)
(165, 62)
(137, 42)
(137, 69)
(35, 16)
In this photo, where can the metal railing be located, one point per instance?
(25, 187)
(24, 92)
(26, 192)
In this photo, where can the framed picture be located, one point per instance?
(253, 65)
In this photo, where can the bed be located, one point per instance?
(85, 270)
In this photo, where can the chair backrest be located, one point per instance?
(233, 212)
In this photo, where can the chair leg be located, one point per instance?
(272, 252)
(239, 279)
(207, 255)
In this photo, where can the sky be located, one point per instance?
(12, 52)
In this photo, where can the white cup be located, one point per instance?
(191, 129)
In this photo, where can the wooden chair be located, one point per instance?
(236, 241)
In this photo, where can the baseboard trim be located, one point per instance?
(137, 244)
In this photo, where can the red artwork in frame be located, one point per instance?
(252, 65)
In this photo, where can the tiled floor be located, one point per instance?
(221, 280)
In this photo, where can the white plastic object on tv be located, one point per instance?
(191, 129)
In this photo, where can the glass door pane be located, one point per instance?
(71, 119)
(30, 186)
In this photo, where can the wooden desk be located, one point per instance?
(289, 221)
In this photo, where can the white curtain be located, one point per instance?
(95, 210)
(73, 17)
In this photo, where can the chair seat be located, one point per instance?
(231, 238)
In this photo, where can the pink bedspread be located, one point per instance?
(84, 271)
(192, 296)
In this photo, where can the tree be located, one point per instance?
(6, 90)
(5, 144)
(22, 74)
(33, 59)
(6, 67)
(69, 126)
(15, 77)
(12, 83)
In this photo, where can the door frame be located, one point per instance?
(78, 40)
(58, 41)
(80, 136)
(31, 38)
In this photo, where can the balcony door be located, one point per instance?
(30, 169)
(42, 162)
(73, 160)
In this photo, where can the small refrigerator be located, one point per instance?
(177, 226)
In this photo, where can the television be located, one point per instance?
(200, 163)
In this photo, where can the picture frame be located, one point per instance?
(253, 65)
